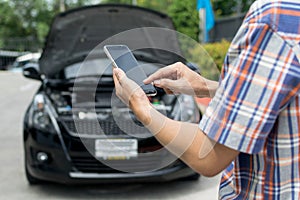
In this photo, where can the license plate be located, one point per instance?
(116, 149)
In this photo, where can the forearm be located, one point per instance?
(204, 87)
(189, 143)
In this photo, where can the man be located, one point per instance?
(251, 129)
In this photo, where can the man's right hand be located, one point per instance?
(179, 79)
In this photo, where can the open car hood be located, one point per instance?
(75, 33)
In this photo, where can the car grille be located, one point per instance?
(143, 163)
(95, 127)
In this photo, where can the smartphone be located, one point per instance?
(122, 57)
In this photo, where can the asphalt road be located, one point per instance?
(15, 94)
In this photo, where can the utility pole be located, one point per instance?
(62, 6)
(239, 7)
(134, 2)
(202, 25)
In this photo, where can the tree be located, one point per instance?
(9, 23)
(29, 25)
(230, 7)
(25, 24)
(185, 17)
(161, 6)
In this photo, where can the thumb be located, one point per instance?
(119, 73)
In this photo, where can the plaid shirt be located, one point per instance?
(256, 109)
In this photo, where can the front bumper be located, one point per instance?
(61, 168)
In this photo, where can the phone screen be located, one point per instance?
(122, 57)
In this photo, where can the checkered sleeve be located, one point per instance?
(259, 78)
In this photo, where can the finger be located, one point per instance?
(165, 72)
(116, 79)
(166, 83)
(120, 75)
(118, 87)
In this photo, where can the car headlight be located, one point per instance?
(41, 116)
(185, 109)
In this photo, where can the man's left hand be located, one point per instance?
(132, 95)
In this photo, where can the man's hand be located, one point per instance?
(178, 78)
(132, 95)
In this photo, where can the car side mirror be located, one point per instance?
(31, 70)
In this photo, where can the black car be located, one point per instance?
(75, 129)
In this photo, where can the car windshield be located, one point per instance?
(89, 68)
(100, 67)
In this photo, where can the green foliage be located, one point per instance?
(209, 57)
(25, 24)
(30, 23)
(9, 24)
(224, 7)
(217, 51)
(159, 5)
(230, 7)
(185, 17)
(246, 5)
